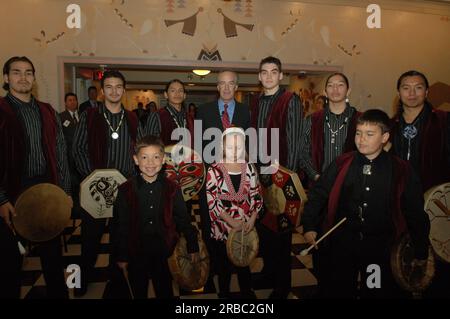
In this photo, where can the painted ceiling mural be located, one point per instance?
(221, 30)
(147, 25)
(155, 29)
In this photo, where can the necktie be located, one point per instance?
(225, 117)
(75, 117)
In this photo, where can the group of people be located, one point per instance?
(342, 152)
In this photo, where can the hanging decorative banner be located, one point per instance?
(189, 23)
(207, 54)
(230, 25)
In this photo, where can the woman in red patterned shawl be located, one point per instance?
(234, 201)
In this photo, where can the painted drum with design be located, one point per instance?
(284, 199)
(99, 190)
(437, 206)
(185, 167)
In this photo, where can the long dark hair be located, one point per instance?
(399, 83)
(340, 74)
(183, 106)
(175, 81)
(327, 102)
(412, 73)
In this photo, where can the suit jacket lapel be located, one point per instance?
(68, 117)
(217, 116)
(236, 114)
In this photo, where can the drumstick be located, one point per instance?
(22, 249)
(125, 274)
(242, 241)
(306, 251)
(441, 206)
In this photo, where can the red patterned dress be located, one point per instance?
(222, 197)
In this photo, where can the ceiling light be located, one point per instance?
(201, 72)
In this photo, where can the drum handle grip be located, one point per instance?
(242, 241)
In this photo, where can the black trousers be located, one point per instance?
(348, 257)
(225, 268)
(275, 250)
(76, 209)
(154, 266)
(53, 268)
(11, 264)
(91, 233)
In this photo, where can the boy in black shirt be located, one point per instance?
(149, 213)
(381, 197)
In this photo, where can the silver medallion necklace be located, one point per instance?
(175, 117)
(114, 134)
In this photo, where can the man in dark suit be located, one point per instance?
(69, 120)
(221, 114)
(69, 117)
(226, 111)
(92, 102)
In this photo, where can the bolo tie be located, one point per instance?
(409, 132)
(335, 132)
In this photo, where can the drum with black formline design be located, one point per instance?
(99, 190)
(284, 199)
(184, 166)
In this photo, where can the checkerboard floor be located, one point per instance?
(304, 284)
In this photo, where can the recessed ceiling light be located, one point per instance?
(201, 72)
